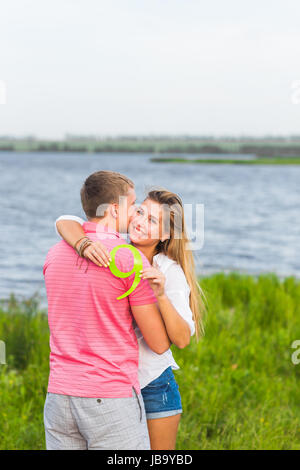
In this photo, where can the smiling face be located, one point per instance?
(145, 227)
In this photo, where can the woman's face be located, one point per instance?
(145, 227)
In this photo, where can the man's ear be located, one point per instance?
(114, 210)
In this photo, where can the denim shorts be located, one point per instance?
(162, 397)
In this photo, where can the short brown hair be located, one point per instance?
(103, 187)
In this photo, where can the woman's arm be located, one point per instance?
(177, 328)
(72, 232)
(152, 327)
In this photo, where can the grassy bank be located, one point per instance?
(240, 389)
(257, 161)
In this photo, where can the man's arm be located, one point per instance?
(152, 327)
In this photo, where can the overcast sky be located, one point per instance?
(149, 66)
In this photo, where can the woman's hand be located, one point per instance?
(98, 253)
(156, 280)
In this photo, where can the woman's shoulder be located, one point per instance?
(170, 268)
(174, 274)
(164, 262)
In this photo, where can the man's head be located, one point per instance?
(109, 197)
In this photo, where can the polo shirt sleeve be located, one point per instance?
(46, 263)
(68, 217)
(178, 292)
(143, 293)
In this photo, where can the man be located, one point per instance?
(93, 399)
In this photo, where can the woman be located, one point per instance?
(157, 229)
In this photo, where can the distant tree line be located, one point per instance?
(259, 149)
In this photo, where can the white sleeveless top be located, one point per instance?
(151, 364)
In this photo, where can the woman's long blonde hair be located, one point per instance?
(177, 248)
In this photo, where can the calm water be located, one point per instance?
(251, 213)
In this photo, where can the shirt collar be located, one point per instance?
(94, 227)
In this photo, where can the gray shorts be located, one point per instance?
(95, 423)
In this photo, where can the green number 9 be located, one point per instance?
(137, 267)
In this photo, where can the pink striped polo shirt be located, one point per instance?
(94, 350)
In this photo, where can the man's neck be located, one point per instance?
(105, 222)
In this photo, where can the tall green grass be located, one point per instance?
(239, 387)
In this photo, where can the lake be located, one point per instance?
(251, 213)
